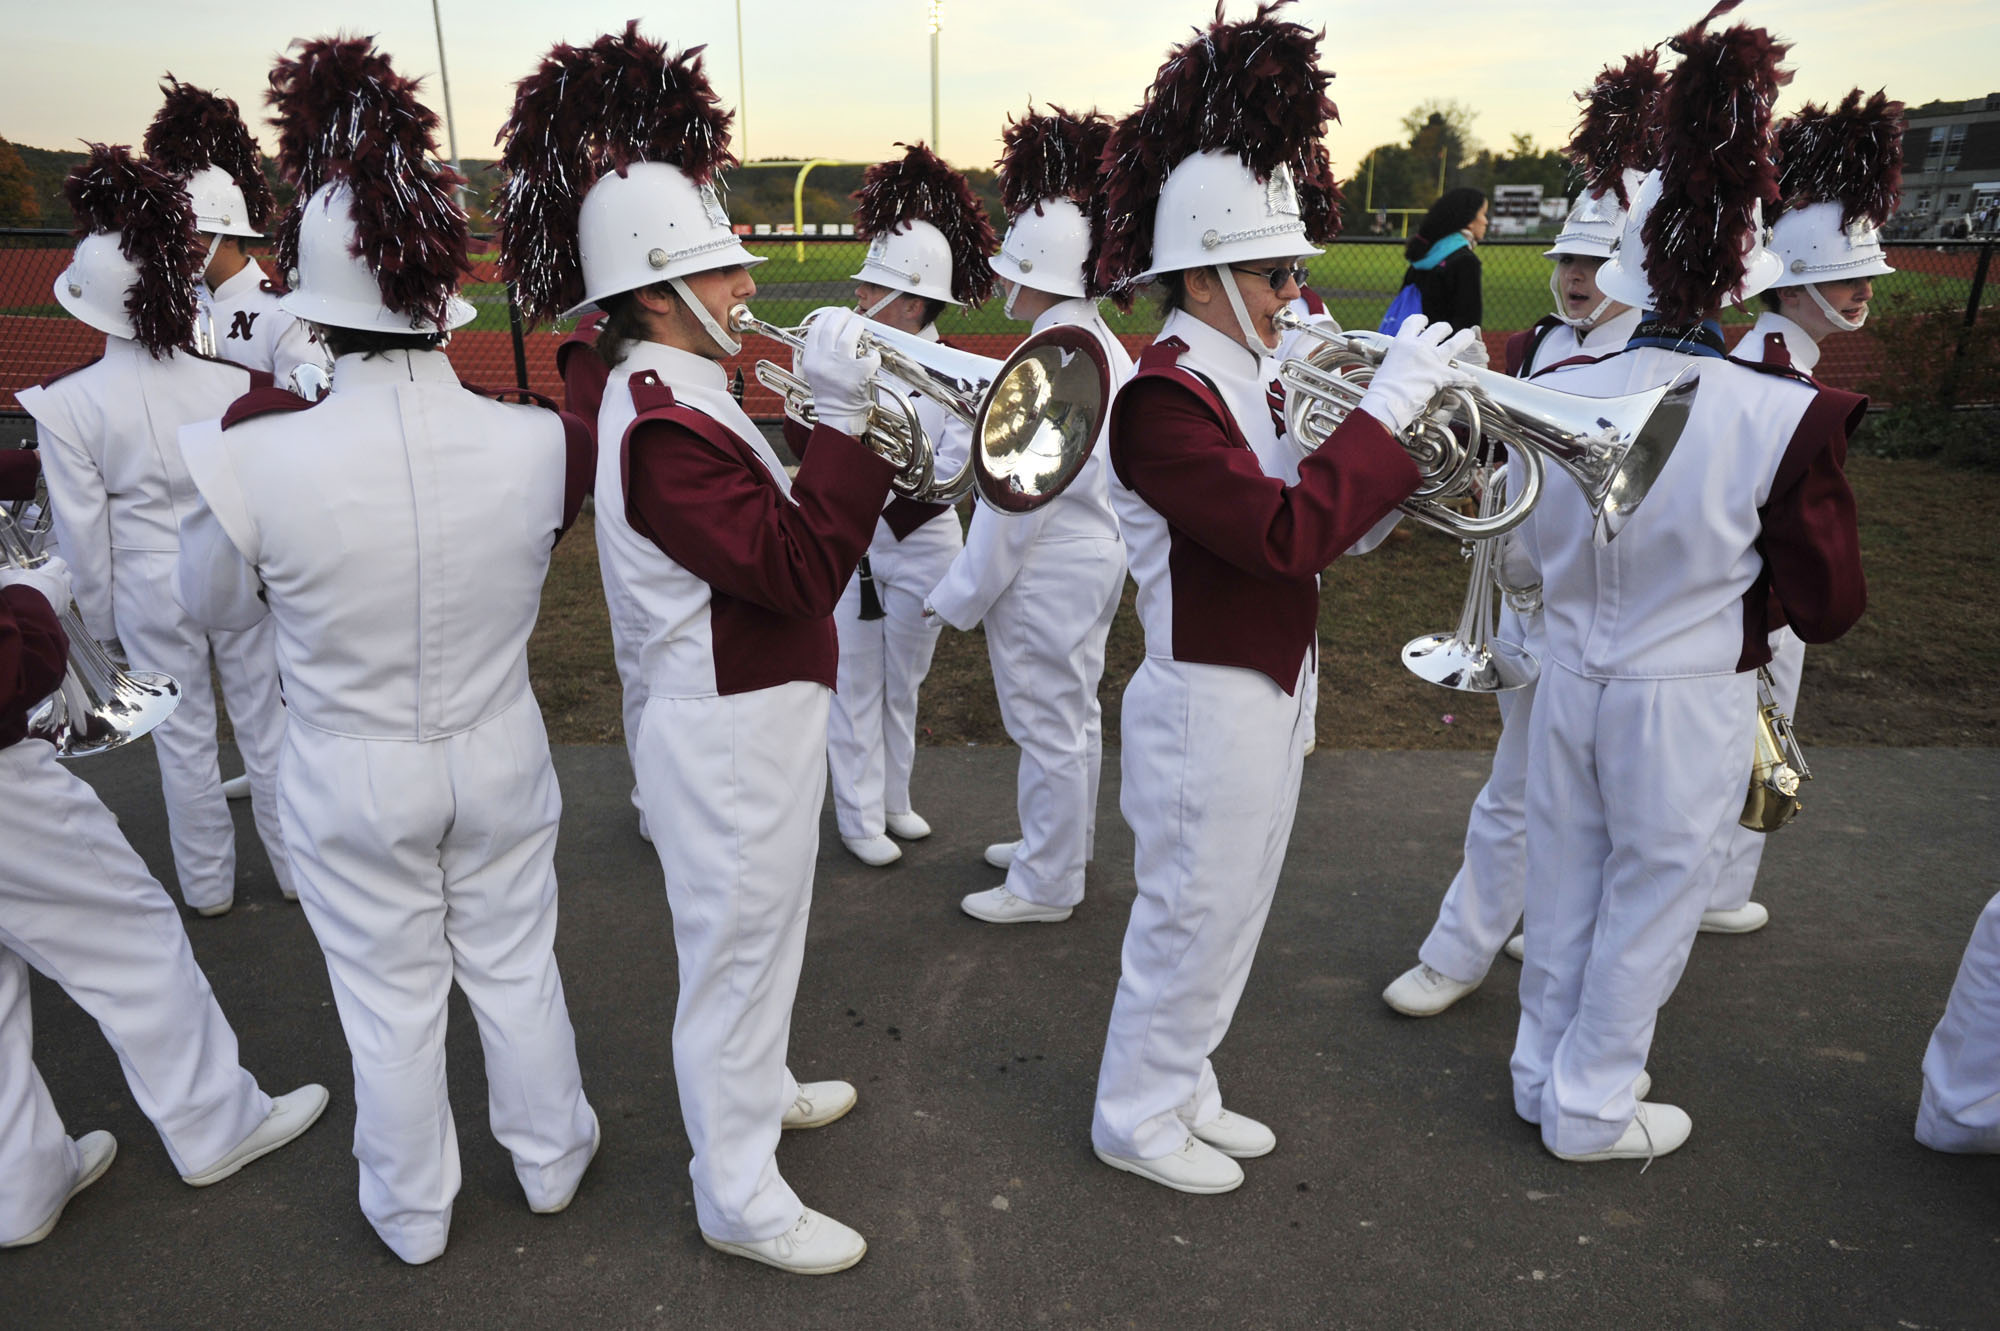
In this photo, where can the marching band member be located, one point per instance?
(1046, 583)
(928, 239)
(613, 153)
(1838, 182)
(119, 488)
(398, 532)
(1960, 1110)
(1483, 904)
(1640, 728)
(1215, 190)
(77, 905)
(239, 320)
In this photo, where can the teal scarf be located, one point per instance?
(1441, 251)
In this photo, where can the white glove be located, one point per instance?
(1416, 369)
(50, 578)
(1297, 343)
(1475, 351)
(840, 376)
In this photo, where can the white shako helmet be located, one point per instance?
(1813, 247)
(334, 286)
(1046, 250)
(1213, 211)
(1593, 226)
(650, 225)
(1839, 180)
(95, 285)
(1624, 278)
(915, 259)
(219, 209)
(1049, 160)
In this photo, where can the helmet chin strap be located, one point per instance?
(881, 304)
(1253, 341)
(1587, 320)
(729, 345)
(1013, 294)
(1834, 316)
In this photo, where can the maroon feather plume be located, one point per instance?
(344, 113)
(196, 129)
(1050, 156)
(1616, 131)
(920, 186)
(1852, 156)
(1715, 164)
(1253, 88)
(111, 190)
(585, 111)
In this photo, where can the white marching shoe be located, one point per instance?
(999, 906)
(290, 1115)
(1196, 1167)
(561, 1203)
(219, 908)
(1517, 947)
(1642, 1085)
(817, 1245)
(1238, 1137)
(98, 1149)
(237, 787)
(909, 825)
(1745, 919)
(1423, 992)
(1655, 1130)
(819, 1103)
(873, 851)
(1001, 854)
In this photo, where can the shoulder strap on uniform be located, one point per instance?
(525, 397)
(262, 401)
(1531, 344)
(64, 374)
(1161, 360)
(1777, 360)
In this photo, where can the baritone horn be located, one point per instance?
(1033, 416)
(1612, 447)
(1777, 766)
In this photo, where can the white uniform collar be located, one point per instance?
(240, 284)
(1217, 351)
(1075, 310)
(674, 366)
(360, 370)
(1610, 334)
(1798, 342)
(929, 333)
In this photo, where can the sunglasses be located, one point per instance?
(1277, 277)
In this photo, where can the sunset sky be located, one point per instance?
(849, 79)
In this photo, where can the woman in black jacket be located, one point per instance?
(1444, 266)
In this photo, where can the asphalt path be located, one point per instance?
(1404, 1191)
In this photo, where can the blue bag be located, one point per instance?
(1407, 302)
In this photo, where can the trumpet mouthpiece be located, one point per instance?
(741, 320)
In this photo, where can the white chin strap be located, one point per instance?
(1587, 320)
(729, 345)
(885, 302)
(1013, 294)
(1253, 341)
(1834, 316)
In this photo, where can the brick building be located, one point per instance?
(1951, 168)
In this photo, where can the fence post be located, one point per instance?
(520, 342)
(1971, 317)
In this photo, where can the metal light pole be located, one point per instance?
(742, 94)
(444, 80)
(936, 22)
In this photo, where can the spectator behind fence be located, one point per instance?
(1444, 267)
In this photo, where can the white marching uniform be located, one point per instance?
(77, 904)
(120, 490)
(1640, 731)
(1960, 1110)
(1736, 878)
(401, 530)
(252, 331)
(1483, 904)
(1214, 722)
(738, 660)
(1046, 584)
(872, 732)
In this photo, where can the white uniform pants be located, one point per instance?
(1737, 876)
(743, 778)
(419, 863)
(247, 665)
(1632, 777)
(1211, 762)
(78, 905)
(1045, 638)
(872, 729)
(158, 635)
(1483, 904)
(628, 638)
(1960, 1110)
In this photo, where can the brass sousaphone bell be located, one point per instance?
(1033, 416)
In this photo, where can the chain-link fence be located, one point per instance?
(1932, 332)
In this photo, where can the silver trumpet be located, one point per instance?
(1613, 447)
(99, 706)
(1469, 658)
(1034, 416)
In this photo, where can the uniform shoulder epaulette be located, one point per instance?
(60, 375)
(262, 402)
(650, 393)
(270, 288)
(1163, 354)
(524, 397)
(1783, 369)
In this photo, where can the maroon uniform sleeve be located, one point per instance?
(731, 527)
(1517, 350)
(797, 438)
(33, 655)
(584, 374)
(1812, 534)
(579, 467)
(1168, 447)
(18, 469)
